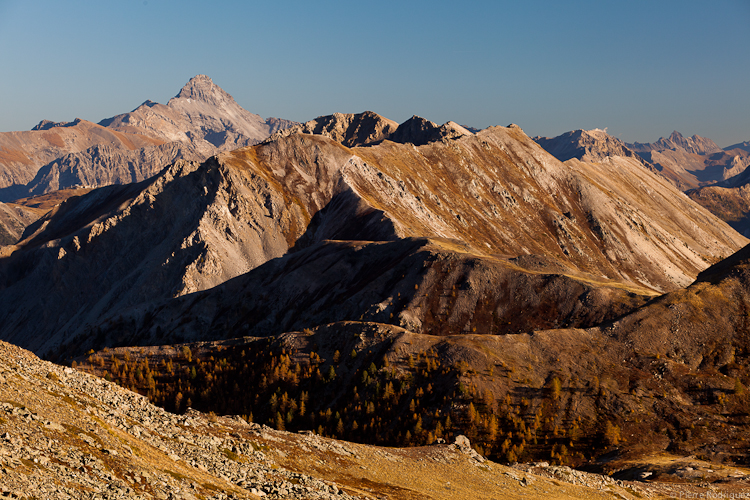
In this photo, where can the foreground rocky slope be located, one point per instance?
(668, 377)
(68, 435)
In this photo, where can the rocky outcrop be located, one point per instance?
(276, 124)
(418, 131)
(368, 128)
(348, 129)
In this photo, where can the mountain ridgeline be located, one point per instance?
(546, 297)
(495, 197)
(201, 120)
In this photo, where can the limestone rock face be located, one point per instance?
(201, 114)
(102, 165)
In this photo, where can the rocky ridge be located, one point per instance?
(206, 223)
(436, 287)
(745, 146)
(200, 121)
(695, 144)
(590, 146)
(693, 162)
(22, 154)
(348, 129)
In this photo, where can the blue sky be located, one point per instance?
(638, 68)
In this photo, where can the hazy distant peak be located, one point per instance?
(585, 145)
(202, 88)
(48, 124)
(740, 145)
(695, 144)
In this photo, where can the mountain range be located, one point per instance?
(394, 284)
(201, 120)
(694, 161)
(196, 225)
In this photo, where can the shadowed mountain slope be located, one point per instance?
(437, 287)
(13, 221)
(195, 226)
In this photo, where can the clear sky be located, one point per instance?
(638, 68)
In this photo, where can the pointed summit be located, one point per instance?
(585, 145)
(202, 88)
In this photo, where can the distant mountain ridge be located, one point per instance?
(586, 145)
(368, 128)
(196, 226)
(695, 144)
(201, 120)
(691, 162)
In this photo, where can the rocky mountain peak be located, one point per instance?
(416, 130)
(676, 141)
(585, 145)
(48, 124)
(202, 88)
(351, 130)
